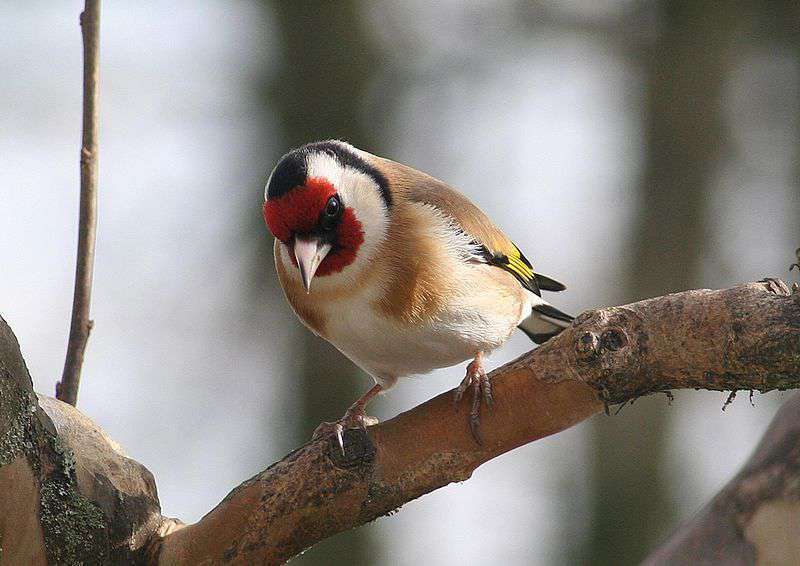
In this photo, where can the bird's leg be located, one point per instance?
(354, 417)
(477, 379)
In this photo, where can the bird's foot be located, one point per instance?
(351, 419)
(354, 417)
(477, 380)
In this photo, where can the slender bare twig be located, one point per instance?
(59, 464)
(81, 325)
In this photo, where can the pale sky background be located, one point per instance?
(195, 382)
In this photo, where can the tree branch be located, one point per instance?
(94, 502)
(81, 324)
(69, 493)
(755, 519)
(747, 337)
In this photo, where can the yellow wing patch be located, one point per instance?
(518, 265)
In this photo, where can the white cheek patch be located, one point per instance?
(359, 192)
(325, 166)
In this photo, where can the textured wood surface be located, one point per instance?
(93, 501)
(747, 337)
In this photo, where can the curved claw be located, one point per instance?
(477, 379)
(337, 428)
(340, 436)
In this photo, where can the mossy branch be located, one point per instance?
(746, 337)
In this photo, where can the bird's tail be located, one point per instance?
(544, 322)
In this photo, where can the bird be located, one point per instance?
(402, 273)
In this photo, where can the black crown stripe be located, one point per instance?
(292, 169)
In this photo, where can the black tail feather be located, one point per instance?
(552, 312)
(540, 338)
(545, 322)
(547, 284)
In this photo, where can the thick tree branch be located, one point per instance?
(69, 493)
(747, 337)
(81, 324)
(755, 519)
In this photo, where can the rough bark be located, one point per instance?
(684, 76)
(68, 494)
(746, 337)
(304, 112)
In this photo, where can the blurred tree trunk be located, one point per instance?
(786, 19)
(327, 63)
(632, 508)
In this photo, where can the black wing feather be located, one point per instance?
(518, 265)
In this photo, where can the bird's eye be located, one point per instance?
(331, 214)
(333, 207)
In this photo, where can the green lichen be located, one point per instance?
(17, 409)
(74, 527)
(66, 457)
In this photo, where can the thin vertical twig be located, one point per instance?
(81, 325)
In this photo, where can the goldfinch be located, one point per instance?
(399, 271)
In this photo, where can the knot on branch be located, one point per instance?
(590, 344)
(609, 345)
(607, 336)
(86, 156)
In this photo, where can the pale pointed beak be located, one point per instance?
(309, 253)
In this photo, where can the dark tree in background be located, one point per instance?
(684, 72)
(685, 52)
(327, 62)
(696, 107)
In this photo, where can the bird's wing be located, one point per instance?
(497, 248)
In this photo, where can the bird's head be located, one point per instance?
(328, 206)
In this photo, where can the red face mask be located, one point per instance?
(299, 212)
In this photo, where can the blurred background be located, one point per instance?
(631, 148)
